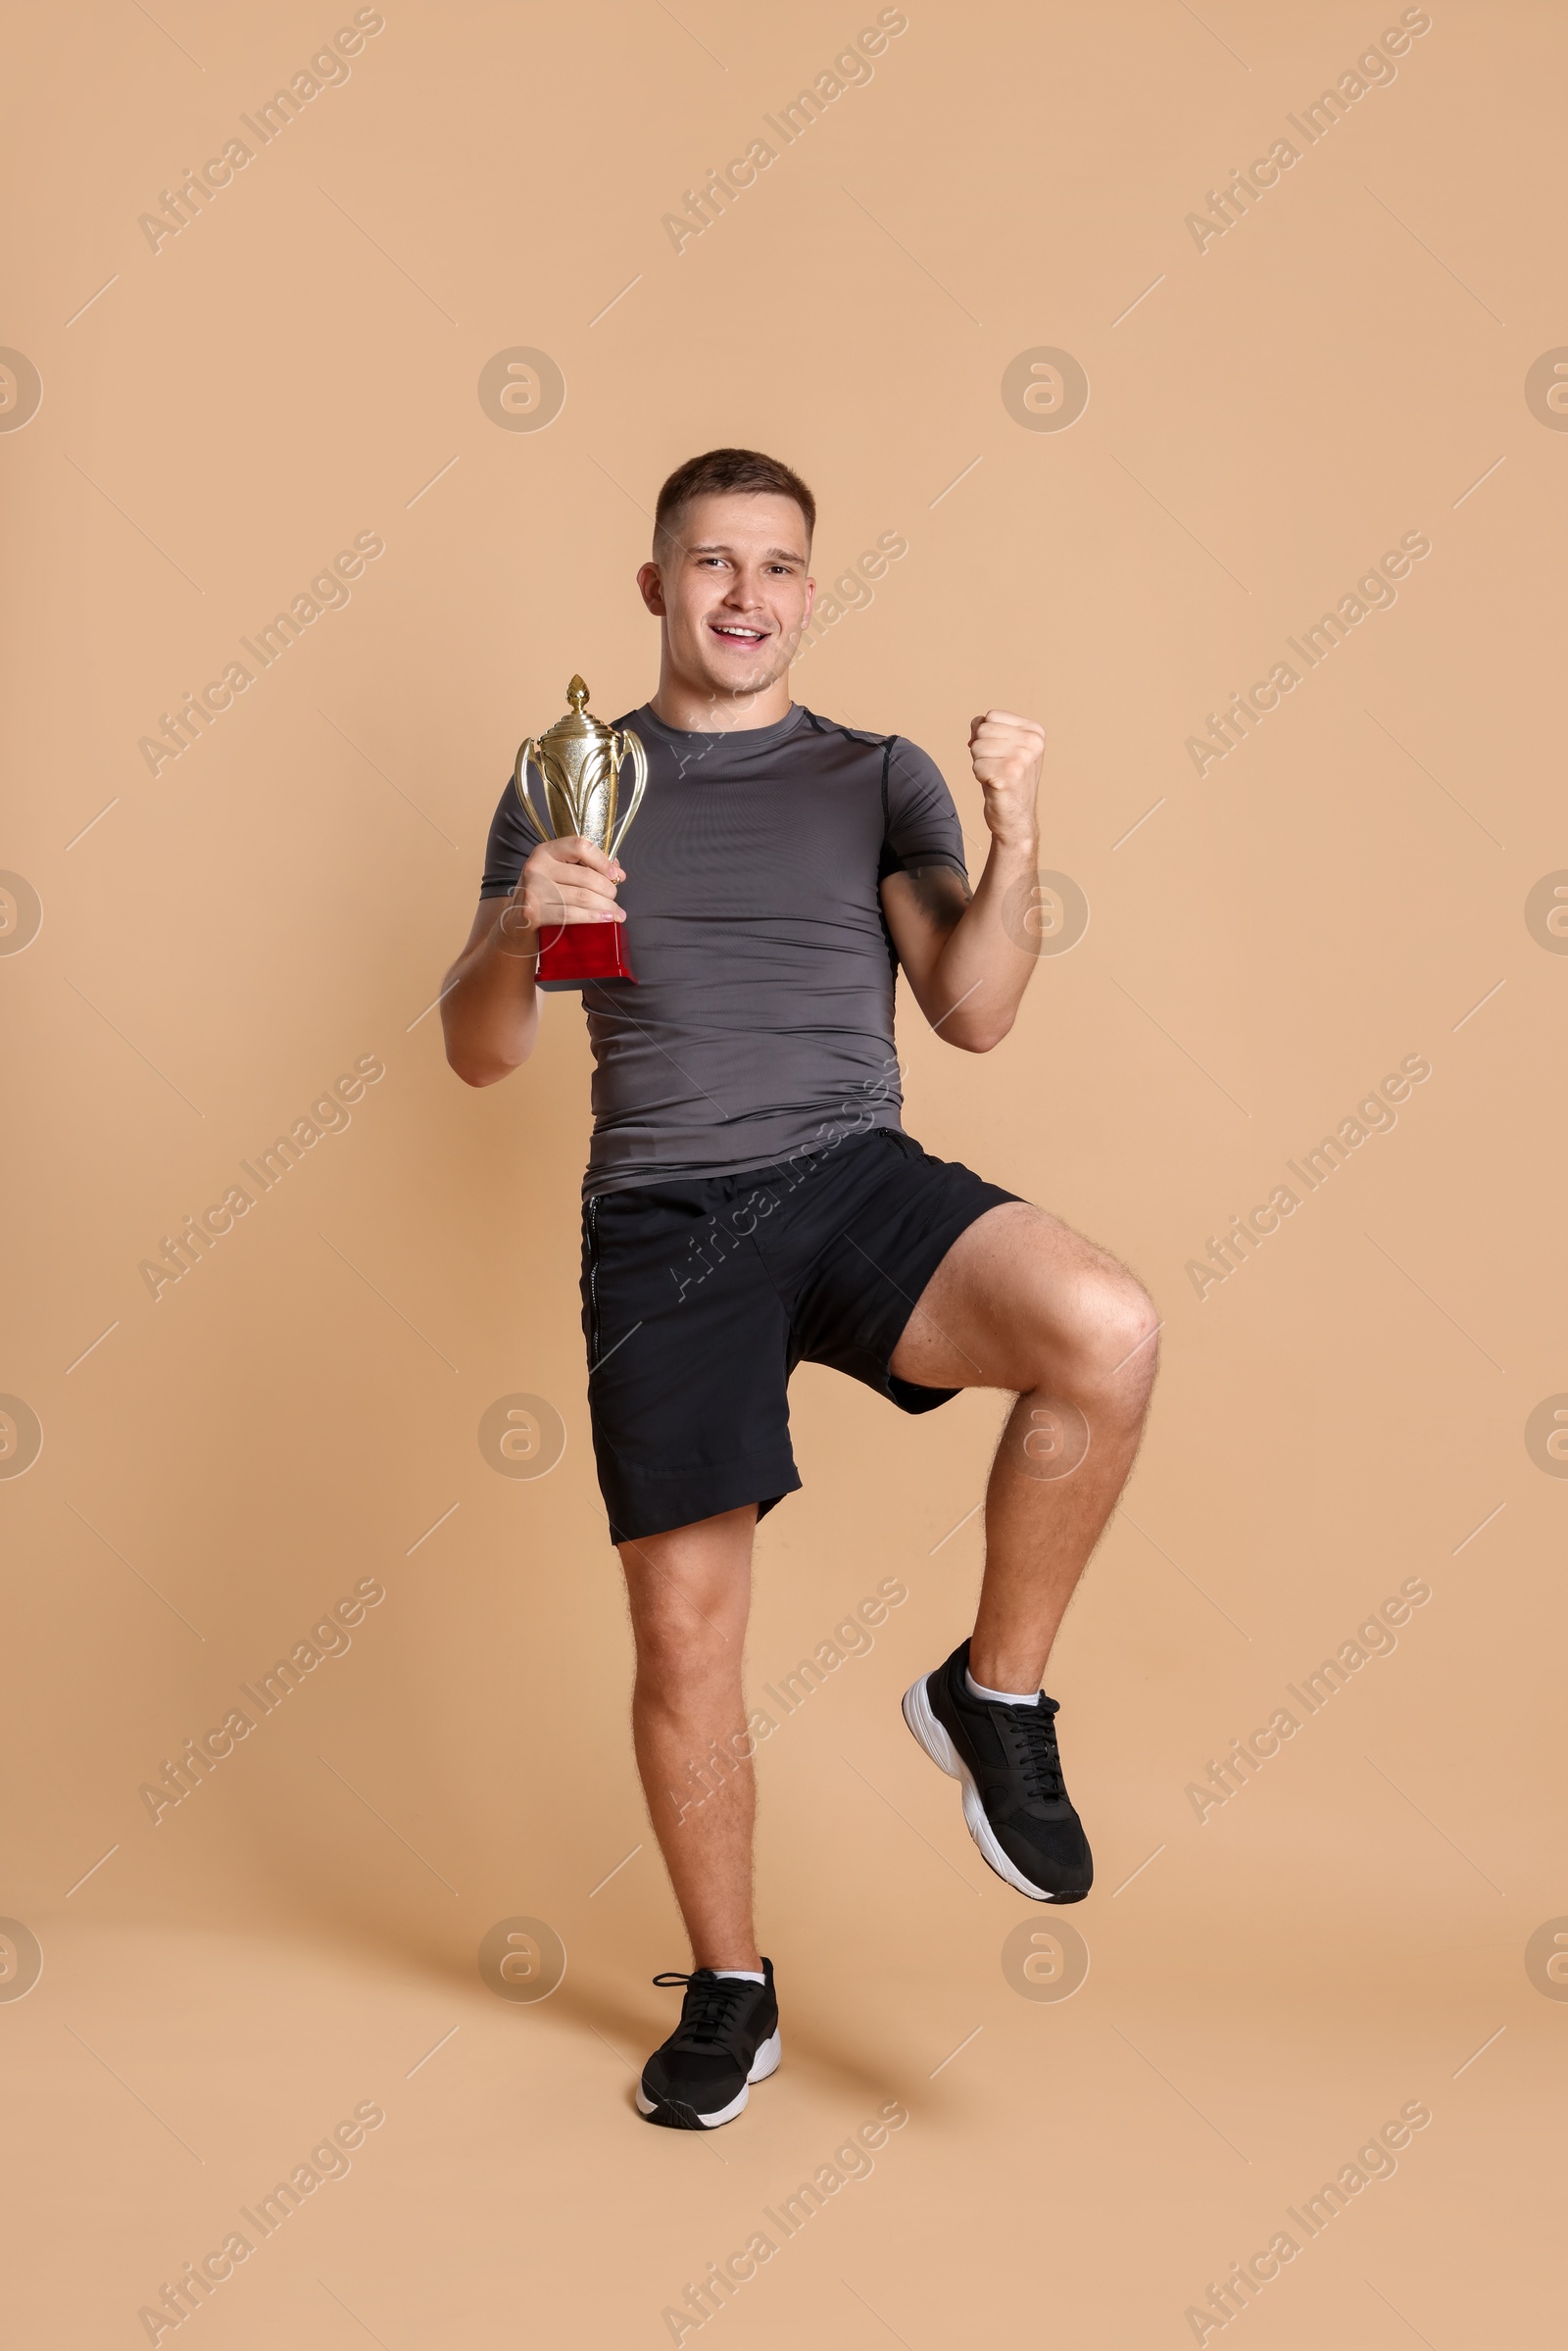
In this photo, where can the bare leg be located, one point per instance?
(690, 1593)
(1022, 1302)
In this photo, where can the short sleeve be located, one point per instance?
(512, 841)
(920, 823)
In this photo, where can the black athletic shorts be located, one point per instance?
(700, 1298)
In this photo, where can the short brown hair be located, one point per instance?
(745, 470)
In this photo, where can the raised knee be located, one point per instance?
(1114, 1342)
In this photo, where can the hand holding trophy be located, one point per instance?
(579, 760)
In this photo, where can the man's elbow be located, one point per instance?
(475, 1072)
(476, 1067)
(977, 1036)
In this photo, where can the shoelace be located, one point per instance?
(709, 2007)
(1035, 1751)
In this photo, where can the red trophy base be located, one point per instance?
(584, 950)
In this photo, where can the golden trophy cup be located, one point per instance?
(579, 760)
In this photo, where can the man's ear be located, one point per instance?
(651, 581)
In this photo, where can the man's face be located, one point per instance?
(732, 590)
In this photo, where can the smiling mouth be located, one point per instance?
(738, 633)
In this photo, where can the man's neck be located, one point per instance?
(698, 708)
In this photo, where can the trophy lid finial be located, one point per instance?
(577, 697)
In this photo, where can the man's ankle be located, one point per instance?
(1010, 1673)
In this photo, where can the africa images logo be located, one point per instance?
(1375, 1114)
(851, 69)
(182, 1252)
(327, 69)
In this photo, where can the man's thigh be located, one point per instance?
(1013, 1304)
(688, 1363)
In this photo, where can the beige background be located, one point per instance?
(301, 364)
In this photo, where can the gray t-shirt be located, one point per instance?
(761, 1021)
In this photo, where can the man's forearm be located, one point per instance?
(984, 969)
(490, 1002)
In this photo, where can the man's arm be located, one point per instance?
(489, 1001)
(967, 972)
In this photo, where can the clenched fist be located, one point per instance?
(1007, 752)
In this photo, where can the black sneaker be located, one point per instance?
(1016, 1808)
(727, 2038)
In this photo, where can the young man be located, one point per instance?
(752, 1202)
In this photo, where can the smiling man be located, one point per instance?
(752, 1202)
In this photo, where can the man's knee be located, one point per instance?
(681, 1637)
(1129, 1329)
(1108, 1338)
(671, 1631)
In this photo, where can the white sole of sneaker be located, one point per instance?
(766, 2062)
(941, 1751)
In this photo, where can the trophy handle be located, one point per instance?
(628, 742)
(520, 777)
